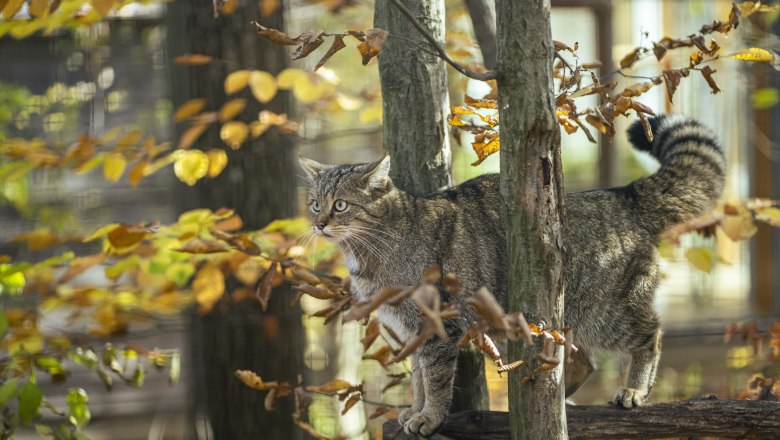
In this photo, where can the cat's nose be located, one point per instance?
(319, 224)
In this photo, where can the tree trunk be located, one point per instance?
(744, 419)
(416, 104)
(259, 183)
(483, 18)
(532, 205)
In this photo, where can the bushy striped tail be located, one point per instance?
(692, 171)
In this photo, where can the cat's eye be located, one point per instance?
(315, 206)
(340, 205)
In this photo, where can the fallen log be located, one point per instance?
(745, 419)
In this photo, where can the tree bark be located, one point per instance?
(259, 183)
(416, 104)
(744, 419)
(532, 205)
(483, 18)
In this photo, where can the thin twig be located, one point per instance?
(482, 76)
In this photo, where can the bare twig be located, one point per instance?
(482, 76)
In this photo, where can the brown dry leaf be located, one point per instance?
(481, 103)
(362, 310)
(275, 36)
(199, 245)
(595, 122)
(414, 343)
(646, 126)
(268, 403)
(232, 223)
(707, 73)
(125, 236)
(547, 366)
(103, 7)
(485, 145)
(390, 413)
(355, 398)
(372, 332)
(487, 307)
(231, 109)
(632, 57)
(338, 44)
(383, 355)
(432, 274)
(315, 292)
(189, 108)
(263, 292)
(79, 265)
(307, 43)
(393, 382)
(306, 276)
(193, 59)
(252, 380)
(268, 7)
(331, 387)
(191, 135)
(38, 8)
(375, 38)
(137, 172)
(637, 89)
(208, 287)
(672, 79)
(450, 284)
(509, 367)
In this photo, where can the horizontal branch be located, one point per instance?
(482, 76)
(746, 419)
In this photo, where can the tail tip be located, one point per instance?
(636, 132)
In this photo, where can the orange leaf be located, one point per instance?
(189, 108)
(193, 59)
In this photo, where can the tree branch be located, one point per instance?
(482, 76)
(744, 419)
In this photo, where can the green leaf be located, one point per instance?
(106, 378)
(43, 429)
(30, 398)
(3, 324)
(50, 364)
(175, 373)
(138, 376)
(12, 280)
(87, 358)
(765, 98)
(78, 412)
(8, 391)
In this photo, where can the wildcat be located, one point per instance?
(389, 238)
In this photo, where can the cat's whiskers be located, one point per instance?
(372, 234)
(371, 247)
(384, 229)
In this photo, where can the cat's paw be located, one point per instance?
(425, 423)
(629, 397)
(406, 414)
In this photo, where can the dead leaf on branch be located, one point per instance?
(338, 44)
(375, 38)
(371, 333)
(274, 35)
(308, 42)
(707, 73)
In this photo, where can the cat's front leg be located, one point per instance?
(418, 392)
(437, 361)
(641, 374)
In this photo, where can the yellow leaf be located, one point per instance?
(258, 128)
(369, 114)
(263, 85)
(37, 239)
(231, 108)
(191, 166)
(11, 8)
(769, 215)
(753, 54)
(307, 92)
(189, 108)
(101, 232)
(114, 167)
(234, 133)
(700, 258)
(287, 78)
(191, 134)
(38, 8)
(193, 59)
(217, 162)
(209, 286)
(103, 7)
(128, 140)
(738, 227)
(236, 81)
(90, 164)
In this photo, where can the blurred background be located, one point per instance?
(118, 71)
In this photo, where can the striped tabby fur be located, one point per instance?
(389, 237)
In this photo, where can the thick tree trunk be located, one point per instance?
(416, 104)
(532, 205)
(742, 419)
(259, 183)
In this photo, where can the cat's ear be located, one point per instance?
(378, 173)
(311, 167)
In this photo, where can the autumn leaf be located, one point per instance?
(485, 145)
(331, 387)
(126, 236)
(38, 8)
(263, 85)
(481, 103)
(217, 162)
(189, 108)
(37, 239)
(769, 215)
(672, 79)
(375, 38)
(739, 227)
(632, 57)
(252, 380)
(338, 44)
(307, 43)
(103, 7)
(707, 73)
(275, 35)
(700, 258)
(191, 134)
(390, 413)
(234, 133)
(263, 292)
(382, 355)
(487, 307)
(193, 59)
(236, 81)
(199, 245)
(80, 265)
(190, 166)
(753, 54)
(208, 287)
(372, 332)
(355, 398)
(114, 167)
(231, 109)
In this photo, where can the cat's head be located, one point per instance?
(343, 199)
